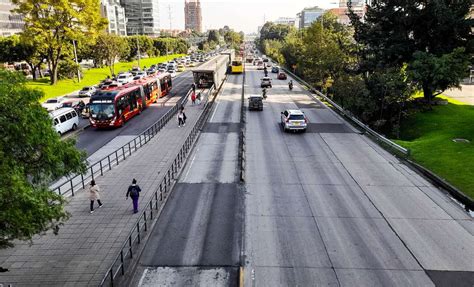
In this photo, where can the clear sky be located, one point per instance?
(240, 15)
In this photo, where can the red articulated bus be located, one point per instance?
(151, 89)
(165, 84)
(112, 108)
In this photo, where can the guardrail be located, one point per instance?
(349, 116)
(79, 181)
(152, 208)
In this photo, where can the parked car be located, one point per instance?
(275, 70)
(282, 76)
(181, 68)
(64, 120)
(125, 78)
(135, 70)
(76, 104)
(52, 104)
(87, 91)
(256, 102)
(294, 120)
(172, 72)
(266, 82)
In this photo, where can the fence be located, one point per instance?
(79, 181)
(153, 207)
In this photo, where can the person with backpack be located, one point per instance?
(94, 195)
(134, 192)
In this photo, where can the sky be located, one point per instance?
(240, 15)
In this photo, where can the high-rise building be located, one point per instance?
(143, 17)
(9, 23)
(192, 15)
(115, 14)
(309, 15)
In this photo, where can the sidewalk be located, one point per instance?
(465, 95)
(88, 243)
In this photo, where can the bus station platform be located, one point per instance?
(88, 243)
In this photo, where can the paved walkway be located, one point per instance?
(465, 94)
(88, 243)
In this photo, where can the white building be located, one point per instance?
(115, 14)
(9, 23)
(286, 21)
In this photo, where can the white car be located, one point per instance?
(87, 91)
(125, 78)
(294, 120)
(172, 72)
(52, 104)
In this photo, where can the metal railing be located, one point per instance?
(79, 181)
(349, 116)
(152, 208)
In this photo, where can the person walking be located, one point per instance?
(134, 193)
(184, 116)
(193, 98)
(193, 86)
(94, 195)
(180, 118)
(198, 98)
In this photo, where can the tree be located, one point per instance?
(31, 155)
(110, 47)
(213, 36)
(56, 23)
(17, 48)
(418, 34)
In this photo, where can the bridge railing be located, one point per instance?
(151, 210)
(76, 182)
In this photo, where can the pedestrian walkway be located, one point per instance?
(88, 243)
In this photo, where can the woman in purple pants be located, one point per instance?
(134, 192)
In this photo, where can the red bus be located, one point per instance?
(151, 89)
(112, 108)
(165, 84)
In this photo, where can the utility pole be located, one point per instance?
(138, 51)
(77, 63)
(169, 15)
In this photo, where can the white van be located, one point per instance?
(64, 120)
(125, 78)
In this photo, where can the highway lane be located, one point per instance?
(331, 208)
(92, 139)
(197, 239)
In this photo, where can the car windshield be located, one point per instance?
(51, 101)
(296, 117)
(122, 77)
(102, 110)
(86, 89)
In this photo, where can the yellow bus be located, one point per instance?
(237, 66)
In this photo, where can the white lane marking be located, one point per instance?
(217, 105)
(190, 165)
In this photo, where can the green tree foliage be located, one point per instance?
(31, 155)
(417, 34)
(213, 36)
(233, 39)
(109, 48)
(56, 23)
(17, 48)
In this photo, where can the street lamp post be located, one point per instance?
(77, 63)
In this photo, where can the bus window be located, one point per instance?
(62, 119)
(68, 116)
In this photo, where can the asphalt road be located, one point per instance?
(92, 139)
(197, 239)
(331, 208)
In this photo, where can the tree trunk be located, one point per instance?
(427, 93)
(54, 72)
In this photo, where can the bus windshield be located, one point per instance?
(236, 63)
(102, 110)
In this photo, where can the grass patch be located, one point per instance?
(90, 77)
(429, 135)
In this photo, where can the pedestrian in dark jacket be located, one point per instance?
(134, 192)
